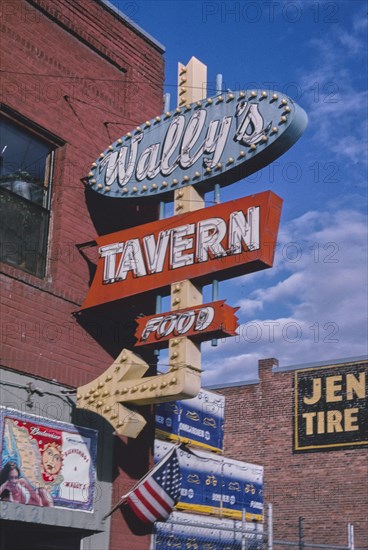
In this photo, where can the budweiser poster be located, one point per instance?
(46, 463)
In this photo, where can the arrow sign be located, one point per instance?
(123, 382)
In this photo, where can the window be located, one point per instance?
(26, 162)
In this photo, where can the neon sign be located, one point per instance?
(229, 239)
(202, 322)
(217, 140)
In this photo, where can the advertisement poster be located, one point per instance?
(330, 408)
(216, 485)
(46, 463)
(198, 421)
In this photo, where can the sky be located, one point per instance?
(312, 304)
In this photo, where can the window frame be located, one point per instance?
(40, 254)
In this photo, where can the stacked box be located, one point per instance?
(216, 485)
(198, 421)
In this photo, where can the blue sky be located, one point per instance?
(312, 305)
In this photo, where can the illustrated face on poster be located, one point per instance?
(46, 463)
(52, 458)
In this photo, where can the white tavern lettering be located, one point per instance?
(182, 246)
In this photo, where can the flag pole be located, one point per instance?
(123, 498)
(116, 506)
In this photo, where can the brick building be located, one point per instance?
(307, 425)
(75, 77)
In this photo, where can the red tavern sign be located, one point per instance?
(221, 242)
(201, 322)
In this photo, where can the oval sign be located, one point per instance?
(217, 140)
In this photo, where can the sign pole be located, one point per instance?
(352, 541)
(270, 528)
(216, 197)
(192, 87)
(301, 533)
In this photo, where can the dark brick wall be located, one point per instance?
(329, 489)
(80, 73)
(55, 80)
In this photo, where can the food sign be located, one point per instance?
(203, 322)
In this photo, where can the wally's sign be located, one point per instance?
(229, 239)
(217, 140)
(331, 408)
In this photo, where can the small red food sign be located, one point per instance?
(202, 322)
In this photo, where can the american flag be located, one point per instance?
(155, 496)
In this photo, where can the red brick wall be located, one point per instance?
(79, 72)
(329, 489)
(42, 64)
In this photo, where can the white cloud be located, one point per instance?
(325, 292)
(334, 94)
(250, 306)
(236, 367)
(283, 290)
(360, 20)
(352, 44)
(352, 147)
(339, 123)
